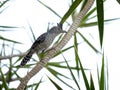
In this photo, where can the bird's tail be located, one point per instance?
(26, 59)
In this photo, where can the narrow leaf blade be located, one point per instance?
(100, 16)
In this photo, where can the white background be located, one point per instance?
(22, 11)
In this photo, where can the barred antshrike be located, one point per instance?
(43, 42)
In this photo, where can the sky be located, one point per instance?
(20, 12)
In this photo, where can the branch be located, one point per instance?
(11, 56)
(58, 47)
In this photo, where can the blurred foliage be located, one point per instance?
(13, 67)
(118, 1)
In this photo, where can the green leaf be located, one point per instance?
(30, 86)
(53, 72)
(92, 87)
(8, 28)
(16, 74)
(2, 38)
(118, 1)
(49, 8)
(100, 17)
(73, 76)
(33, 35)
(4, 83)
(76, 58)
(83, 73)
(57, 64)
(66, 49)
(88, 43)
(94, 23)
(55, 84)
(84, 76)
(87, 16)
(83, 4)
(3, 9)
(3, 3)
(102, 78)
(9, 75)
(71, 9)
(36, 88)
(88, 24)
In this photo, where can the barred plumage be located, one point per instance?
(43, 42)
(26, 59)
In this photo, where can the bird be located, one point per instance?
(43, 42)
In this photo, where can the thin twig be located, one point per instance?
(58, 47)
(11, 56)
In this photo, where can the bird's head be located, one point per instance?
(57, 29)
(59, 26)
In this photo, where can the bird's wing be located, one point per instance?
(39, 40)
